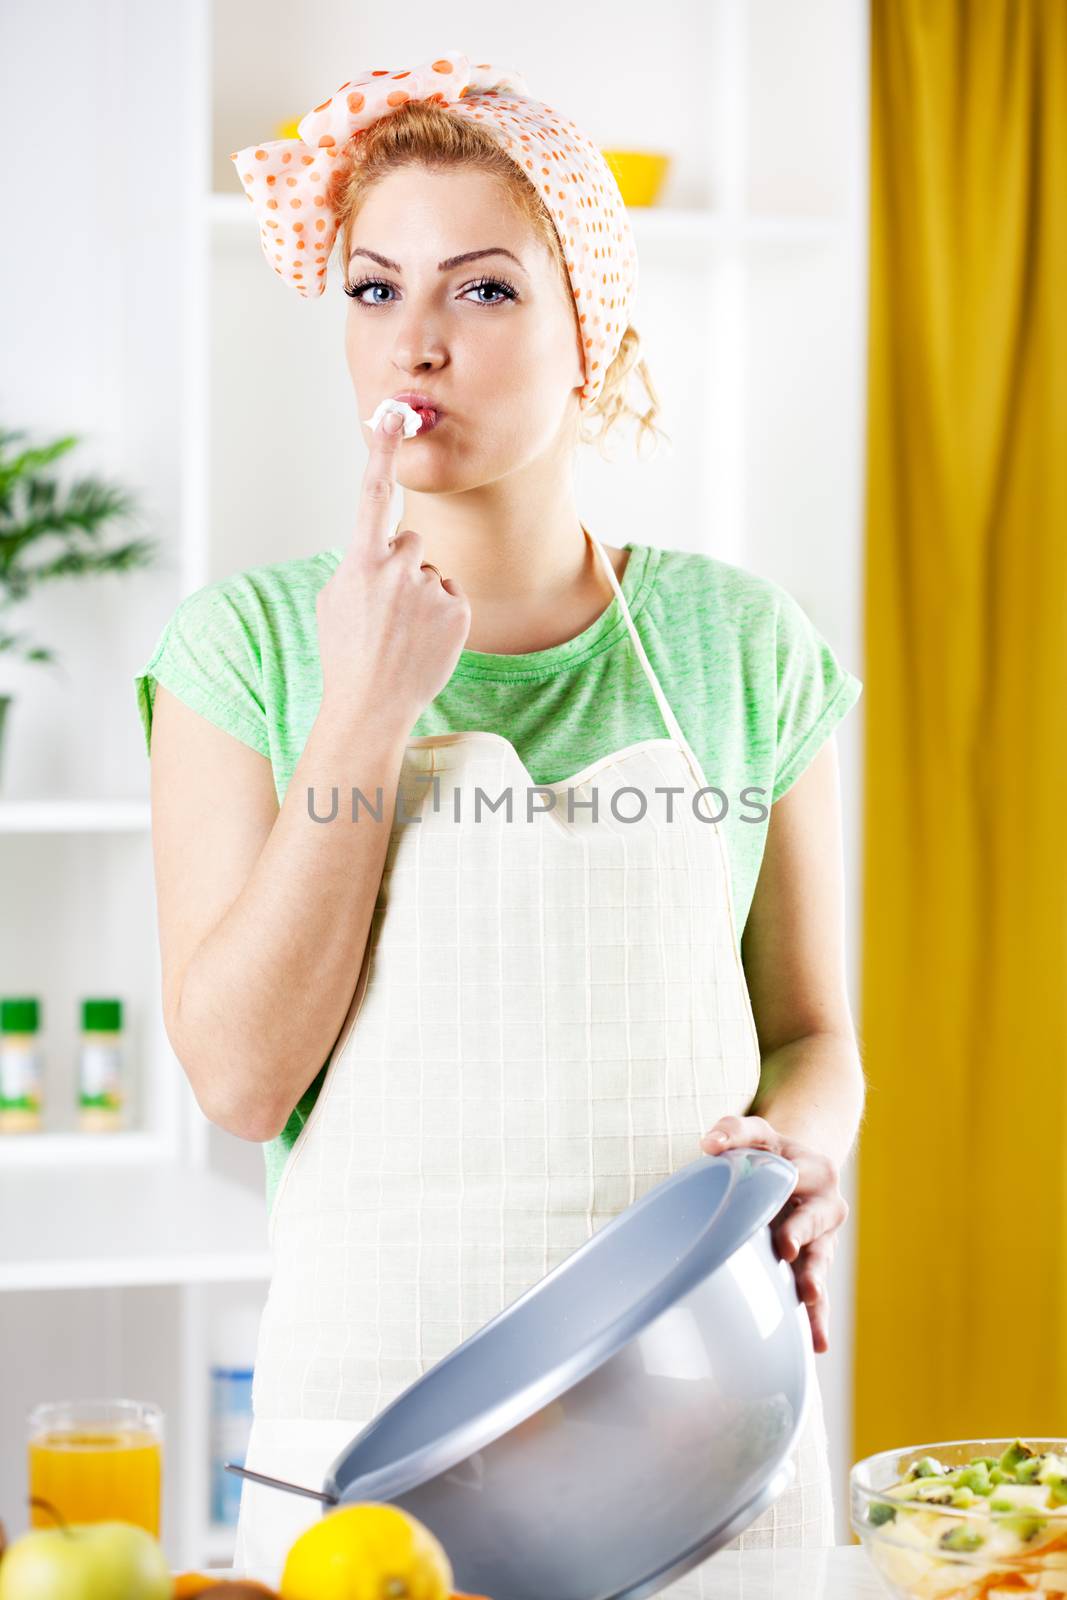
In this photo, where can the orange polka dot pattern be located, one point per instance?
(290, 183)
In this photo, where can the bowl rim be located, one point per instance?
(861, 1490)
(440, 1455)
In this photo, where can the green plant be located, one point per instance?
(34, 507)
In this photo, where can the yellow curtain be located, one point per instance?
(961, 1215)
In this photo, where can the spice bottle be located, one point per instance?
(21, 1066)
(101, 1096)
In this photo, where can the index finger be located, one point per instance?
(376, 491)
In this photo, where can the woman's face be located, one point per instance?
(494, 339)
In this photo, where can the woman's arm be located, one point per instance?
(264, 913)
(811, 1080)
(809, 1102)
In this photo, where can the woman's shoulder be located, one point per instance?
(267, 585)
(242, 649)
(723, 624)
(728, 617)
(266, 609)
(704, 589)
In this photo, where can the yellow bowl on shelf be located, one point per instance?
(639, 174)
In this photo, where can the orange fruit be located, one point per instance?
(188, 1584)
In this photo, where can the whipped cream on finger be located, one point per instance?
(412, 420)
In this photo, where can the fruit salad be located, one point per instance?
(990, 1528)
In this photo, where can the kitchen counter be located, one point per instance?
(842, 1573)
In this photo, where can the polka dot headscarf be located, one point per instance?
(291, 182)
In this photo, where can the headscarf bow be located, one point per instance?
(292, 184)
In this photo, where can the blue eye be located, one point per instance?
(506, 289)
(356, 289)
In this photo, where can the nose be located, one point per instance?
(418, 346)
(413, 357)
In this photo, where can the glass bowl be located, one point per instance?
(927, 1551)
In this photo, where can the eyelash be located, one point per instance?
(355, 289)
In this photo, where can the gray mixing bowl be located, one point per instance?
(623, 1419)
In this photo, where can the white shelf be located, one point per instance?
(651, 224)
(124, 1149)
(95, 1227)
(75, 816)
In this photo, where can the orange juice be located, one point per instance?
(97, 1474)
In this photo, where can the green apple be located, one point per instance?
(87, 1561)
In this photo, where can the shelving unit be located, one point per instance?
(75, 816)
(748, 300)
(136, 1220)
(61, 1152)
(120, 1227)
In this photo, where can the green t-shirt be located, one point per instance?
(756, 688)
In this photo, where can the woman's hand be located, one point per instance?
(390, 629)
(805, 1230)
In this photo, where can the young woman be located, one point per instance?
(467, 1041)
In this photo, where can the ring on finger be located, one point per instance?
(424, 564)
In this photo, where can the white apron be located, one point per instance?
(549, 1014)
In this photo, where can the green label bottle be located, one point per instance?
(101, 1096)
(21, 1066)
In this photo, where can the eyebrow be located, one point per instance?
(442, 266)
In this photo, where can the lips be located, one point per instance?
(430, 411)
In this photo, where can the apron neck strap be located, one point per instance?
(673, 725)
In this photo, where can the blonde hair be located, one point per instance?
(422, 132)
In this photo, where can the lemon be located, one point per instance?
(367, 1552)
